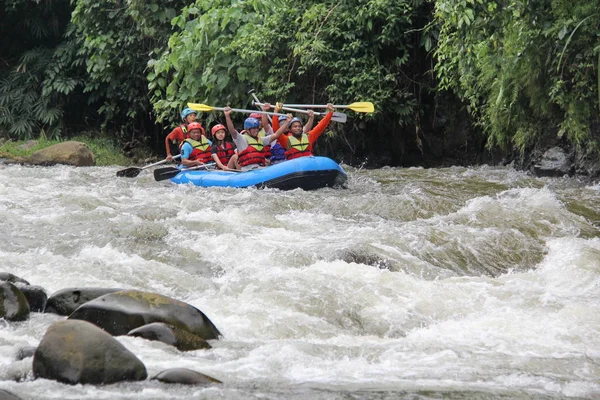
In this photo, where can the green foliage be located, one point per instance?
(524, 69)
(116, 40)
(324, 51)
(28, 105)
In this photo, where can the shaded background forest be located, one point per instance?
(453, 81)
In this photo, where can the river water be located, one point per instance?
(454, 283)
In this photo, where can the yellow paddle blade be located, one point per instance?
(200, 107)
(362, 106)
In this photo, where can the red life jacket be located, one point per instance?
(298, 148)
(225, 152)
(253, 154)
(201, 150)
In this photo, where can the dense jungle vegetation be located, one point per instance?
(502, 74)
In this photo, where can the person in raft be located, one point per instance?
(300, 144)
(277, 152)
(196, 150)
(180, 133)
(223, 152)
(249, 145)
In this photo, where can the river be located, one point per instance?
(455, 283)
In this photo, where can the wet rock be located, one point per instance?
(6, 395)
(25, 352)
(185, 376)
(70, 153)
(13, 304)
(554, 162)
(120, 312)
(8, 277)
(171, 335)
(65, 301)
(36, 296)
(362, 257)
(79, 352)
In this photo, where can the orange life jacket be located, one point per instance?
(298, 148)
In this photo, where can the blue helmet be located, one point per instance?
(250, 123)
(281, 118)
(186, 112)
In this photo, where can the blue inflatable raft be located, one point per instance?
(306, 173)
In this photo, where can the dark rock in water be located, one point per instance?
(79, 352)
(172, 335)
(120, 312)
(8, 277)
(6, 395)
(65, 301)
(13, 304)
(362, 257)
(36, 296)
(185, 376)
(24, 352)
(554, 162)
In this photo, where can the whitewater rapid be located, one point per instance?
(413, 283)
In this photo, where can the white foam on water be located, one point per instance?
(494, 286)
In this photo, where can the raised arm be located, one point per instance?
(265, 120)
(314, 134)
(311, 121)
(282, 128)
(230, 127)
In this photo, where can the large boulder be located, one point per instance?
(36, 296)
(8, 277)
(172, 335)
(185, 376)
(70, 153)
(79, 352)
(13, 303)
(120, 312)
(65, 301)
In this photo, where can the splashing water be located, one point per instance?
(441, 283)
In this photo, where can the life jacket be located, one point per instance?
(184, 129)
(253, 154)
(298, 148)
(277, 152)
(201, 150)
(267, 148)
(225, 152)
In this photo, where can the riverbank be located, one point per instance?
(105, 151)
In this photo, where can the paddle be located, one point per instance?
(132, 172)
(204, 107)
(363, 106)
(337, 116)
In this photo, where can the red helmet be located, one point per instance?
(217, 128)
(258, 116)
(195, 125)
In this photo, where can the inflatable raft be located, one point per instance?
(306, 173)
